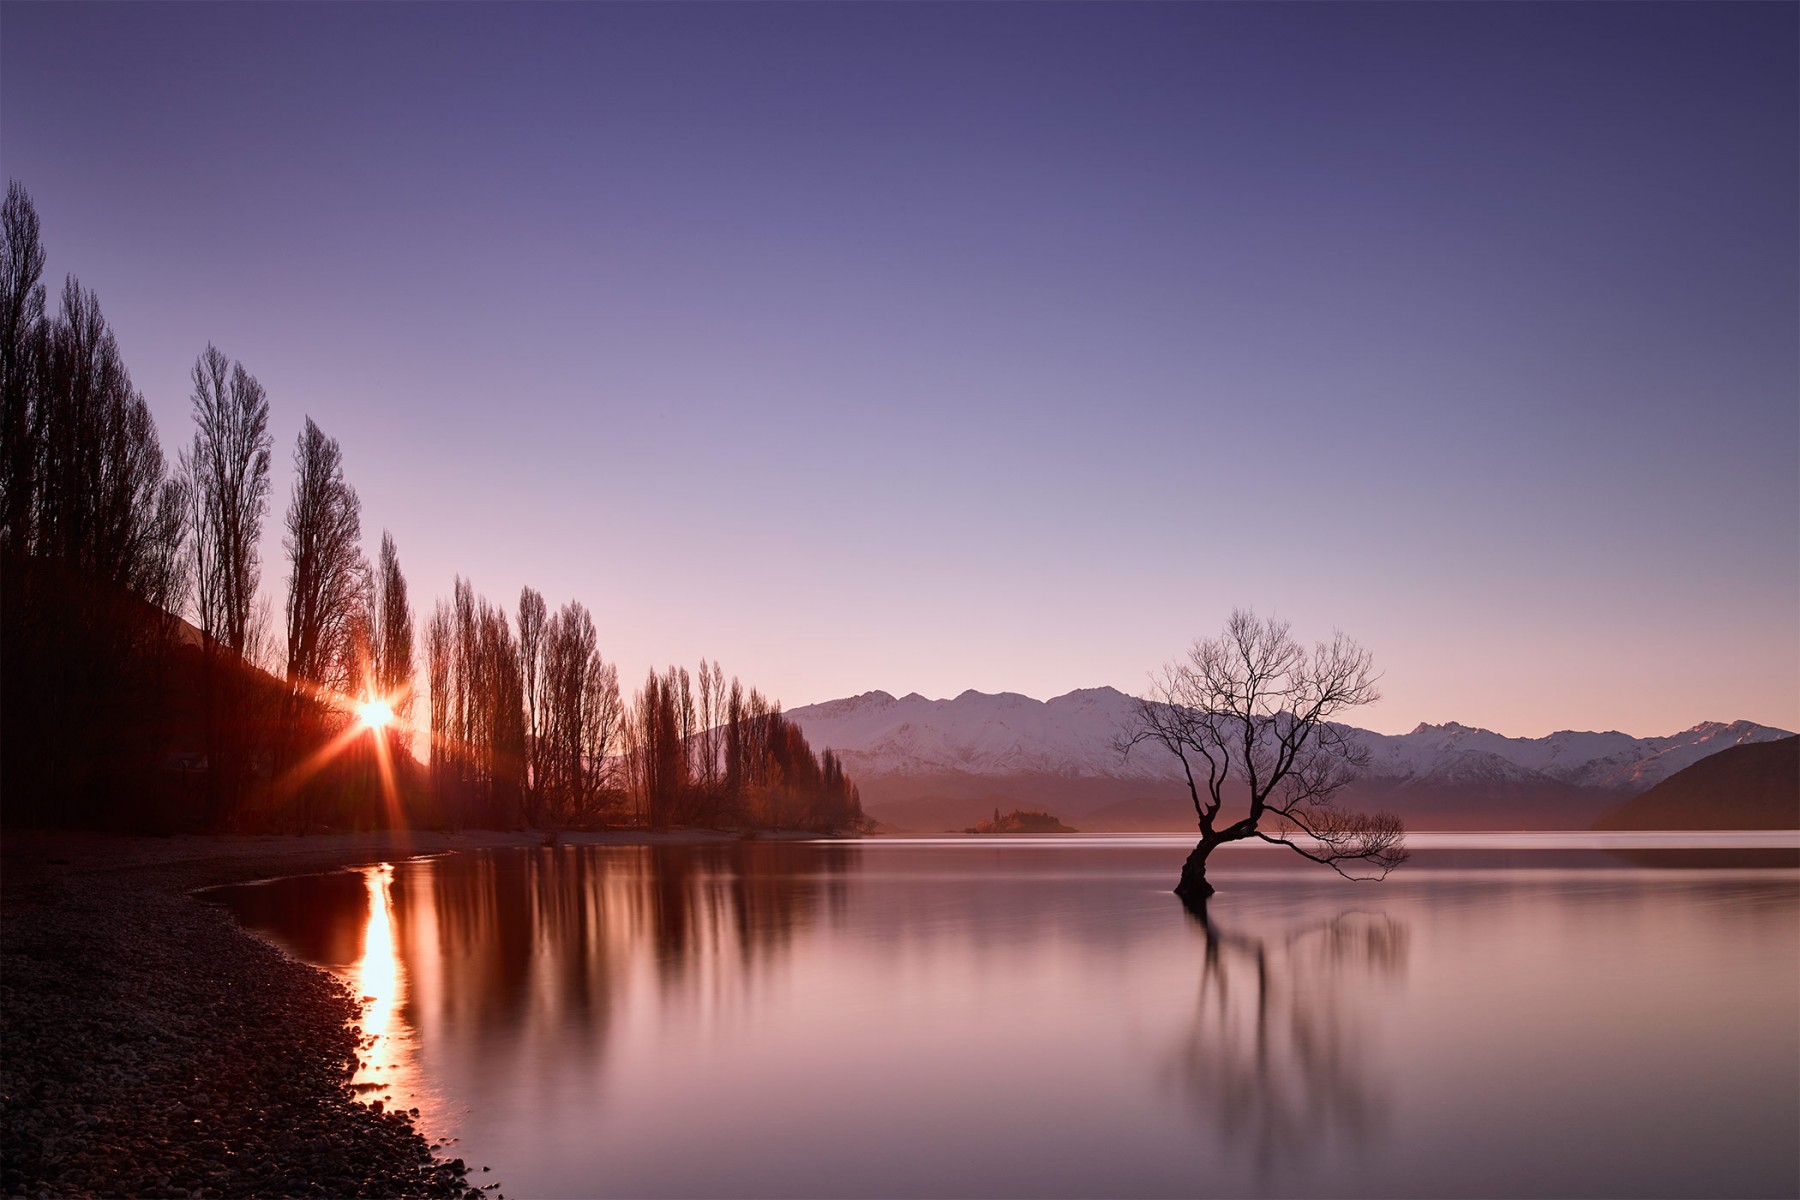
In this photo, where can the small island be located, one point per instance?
(1021, 820)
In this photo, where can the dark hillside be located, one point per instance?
(1745, 787)
(103, 724)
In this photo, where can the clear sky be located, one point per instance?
(932, 347)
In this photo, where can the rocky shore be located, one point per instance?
(151, 1047)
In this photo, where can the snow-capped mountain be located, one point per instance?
(1604, 760)
(977, 734)
(979, 745)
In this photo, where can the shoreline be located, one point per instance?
(155, 1047)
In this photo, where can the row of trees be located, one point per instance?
(701, 752)
(533, 729)
(91, 540)
(102, 545)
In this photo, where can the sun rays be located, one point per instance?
(373, 719)
(374, 713)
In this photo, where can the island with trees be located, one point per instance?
(1021, 820)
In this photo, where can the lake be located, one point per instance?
(1505, 1016)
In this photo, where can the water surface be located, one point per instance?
(1039, 1017)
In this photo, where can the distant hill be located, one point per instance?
(1744, 787)
(930, 765)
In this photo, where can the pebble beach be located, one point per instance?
(152, 1047)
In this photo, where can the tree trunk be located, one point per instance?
(1193, 888)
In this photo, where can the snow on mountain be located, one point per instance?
(1075, 736)
(1614, 760)
(977, 734)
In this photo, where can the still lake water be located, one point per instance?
(1040, 1017)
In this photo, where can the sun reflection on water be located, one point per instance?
(384, 1071)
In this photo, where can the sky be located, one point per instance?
(1006, 347)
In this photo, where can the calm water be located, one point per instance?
(1042, 1018)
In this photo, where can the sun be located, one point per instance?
(374, 714)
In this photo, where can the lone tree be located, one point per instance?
(1253, 708)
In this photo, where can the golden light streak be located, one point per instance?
(384, 1068)
(378, 974)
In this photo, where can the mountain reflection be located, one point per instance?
(1279, 1059)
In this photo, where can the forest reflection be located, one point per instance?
(507, 942)
(974, 1018)
(1279, 1060)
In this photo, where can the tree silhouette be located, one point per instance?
(531, 665)
(1254, 708)
(477, 711)
(102, 550)
(393, 633)
(227, 473)
(581, 717)
(23, 356)
(90, 537)
(328, 579)
(228, 467)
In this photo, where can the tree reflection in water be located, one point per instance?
(512, 942)
(1280, 1059)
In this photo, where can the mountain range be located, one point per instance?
(931, 765)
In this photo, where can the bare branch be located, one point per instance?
(1258, 708)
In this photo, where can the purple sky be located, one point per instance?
(932, 347)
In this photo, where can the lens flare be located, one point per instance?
(374, 714)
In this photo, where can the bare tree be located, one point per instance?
(88, 517)
(661, 762)
(439, 667)
(98, 471)
(23, 337)
(228, 473)
(227, 479)
(1254, 708)
(477, 711)
(393, 632)
(531, 662)
(327, 576)
(603, 721)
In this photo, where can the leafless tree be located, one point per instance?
(23, 356)
(228, 472)
(711, 737)
(1254, 708)
(393, 622)
(579, 717)
(531, 663)
(661, 763)
(328, 578)
(227, 477)
(477, 711)
(99, 472)
(89, 526)
(439, 666)
(603, 725)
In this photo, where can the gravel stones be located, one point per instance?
(152, 1047)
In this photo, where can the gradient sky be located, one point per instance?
(1006, 347)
